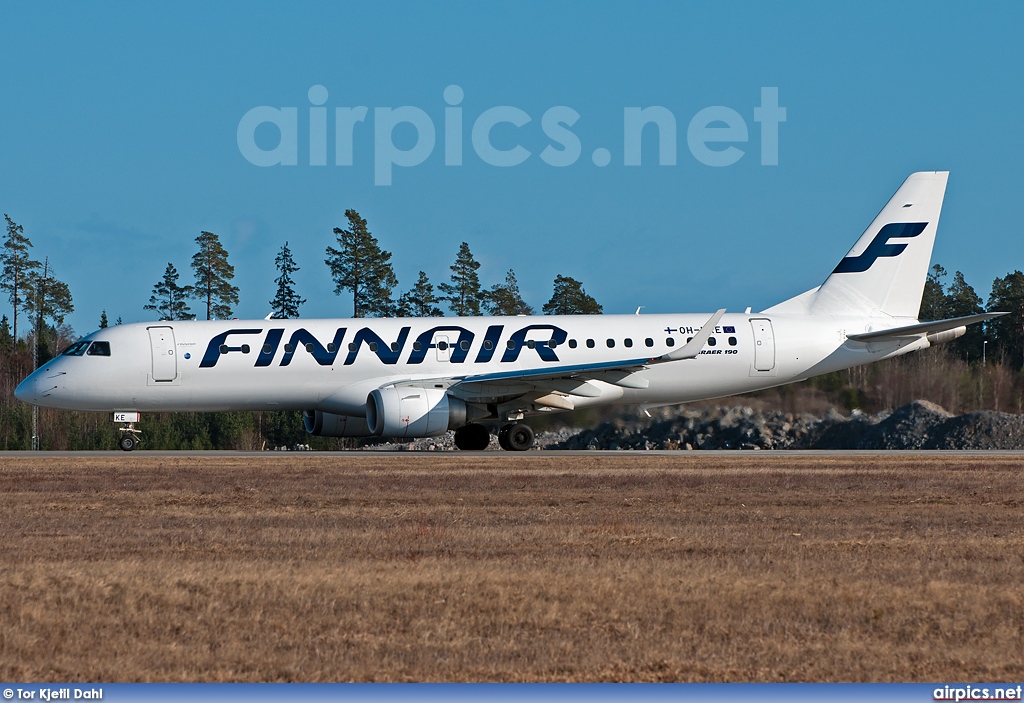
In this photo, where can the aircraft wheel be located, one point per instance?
(127, 442)
(473, 438)
(519, 437)
(503, 437)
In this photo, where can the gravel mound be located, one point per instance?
(917, 425)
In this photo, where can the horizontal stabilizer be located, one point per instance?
(898, 333)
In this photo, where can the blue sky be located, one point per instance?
(119, 142)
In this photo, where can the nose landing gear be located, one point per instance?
(129, 438)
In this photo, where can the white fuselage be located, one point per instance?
(332, 365)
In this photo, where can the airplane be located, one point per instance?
(421, 377)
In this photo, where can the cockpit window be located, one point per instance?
(76, 349)
(99, 349)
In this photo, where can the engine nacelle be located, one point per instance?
(323, 424)
(946, 336)
(413, 412)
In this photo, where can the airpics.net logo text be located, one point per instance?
(714, 135)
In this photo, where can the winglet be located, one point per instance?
(691, 349)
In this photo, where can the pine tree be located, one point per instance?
(103, 320)
(933, 300)
(463, 294)
(420, 300)
(118, 321)
(1006, 332)
(169, 299)
(50, 300)
(285, 304)
(569, 298)
(18, 268)
(361, 267)
(213, 278)
(6, 339)
(505, 299)
(961, 301)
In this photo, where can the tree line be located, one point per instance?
(1000, 339)
(361, 268)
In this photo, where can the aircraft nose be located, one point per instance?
(26, 390)
(36, 389)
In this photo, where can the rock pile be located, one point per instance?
(917, 425)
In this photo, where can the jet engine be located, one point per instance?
(415, 412)
(323, 424)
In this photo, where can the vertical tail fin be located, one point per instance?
(884, 273)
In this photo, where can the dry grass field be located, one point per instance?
(594, 567)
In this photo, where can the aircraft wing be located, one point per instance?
(552, 386)
(900, 333)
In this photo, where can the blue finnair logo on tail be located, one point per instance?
(880, 246)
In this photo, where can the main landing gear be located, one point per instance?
(472, 438)
(513, 437)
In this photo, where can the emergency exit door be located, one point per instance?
(764, 345)
(165, 361)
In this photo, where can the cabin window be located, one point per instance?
(223, 348)
(670, 342)
(395, 347)
(76, 349)
(288, 348)
(442, 345)
(309, 347)
(628, 342)
(464, 345)
(373, 346)
(416, 346)
(351, 346)
(712, 341)
(510, 344)
(610, 343)
(552, 343)
(590, 344)
(649, 342)
(572, 343)
(732, 341)
(488, 345)
(331, 347)
(245, 350)
(267, 349)
(99, 349)
(531, 344)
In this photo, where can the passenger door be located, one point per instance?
(165, 359)
(764, 345)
